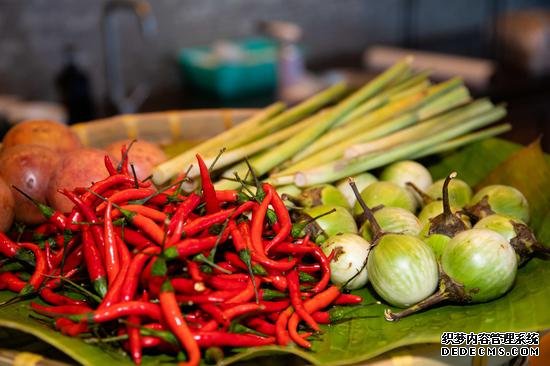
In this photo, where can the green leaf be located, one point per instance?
(528, 171)
(363, 333)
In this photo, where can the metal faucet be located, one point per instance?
(120, 99)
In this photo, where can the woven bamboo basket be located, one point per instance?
(160, 127)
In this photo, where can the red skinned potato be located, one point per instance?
(54, 135)
(29, 168)
(79, 168)
(6, 206)
(143, 155)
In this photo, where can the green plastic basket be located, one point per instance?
(254, 72)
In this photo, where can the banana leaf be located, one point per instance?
(361, 333)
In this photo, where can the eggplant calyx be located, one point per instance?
(480, 210)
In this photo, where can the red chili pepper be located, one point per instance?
(210, 297)
(61, 253)
(109, 165)
(223, 339)
(41, 232)
(261, 325)
(318, 302)
(176, 322)
(187, 285)
(322, 317)
(208, 191)
(133, 237)
(115, 287)
(150, 281)
(278, 281)
(112, 262)
(293, 331)
(134, 338)
(296, 299)
(54, 217)
(224, 268)
(73, 260)
(12, 250)
(9, 281)
(348, 299)
(219, 217)
(39, 270)
(90, 216)
(175, 227)
(54, 283)
(258, 252)
(235, 260)
(118, 180)
(224, 284)
(57, 299)
(135, 269)
(215, 312)
(242, 309)
(154, 342)
(325, 265)
(209, 326)
(281, 327)
(194, 271)
(126, 195)
(228, 195)
(69, 328)
(145, 224)
(247, 294)
(49, 256)
(283, 218)
(309, 268)
(60, 310)
(124, 254)
(121, 310)
(94, 264)
(274, 306)
(317, 253)
(189, 247)
(148, 212)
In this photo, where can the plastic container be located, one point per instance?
(232, 69)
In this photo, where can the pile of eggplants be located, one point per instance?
(418, 242)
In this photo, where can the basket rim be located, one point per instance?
(221, 111)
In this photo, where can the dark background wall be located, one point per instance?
(34, 32)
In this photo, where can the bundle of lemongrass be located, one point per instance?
(397, 115)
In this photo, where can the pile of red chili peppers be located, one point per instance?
(171, 271)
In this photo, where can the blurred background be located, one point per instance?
(79, 60)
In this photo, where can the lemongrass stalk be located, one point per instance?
(464, 140)
(291, 115)
(378, 116)
(172, 167)
(390, 133)
(347, 167)
(405, 75)
(371, 105)
(336, 151)
(445, 102)
(432, 125)
(370, 120)
(237, 130)
(409, 82)
(238, 154)
(414, 84)
(264, 162)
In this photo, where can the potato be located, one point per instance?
(54, 135)
(79, 168)
(29, 168)
(7, 206)
(143, 155)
